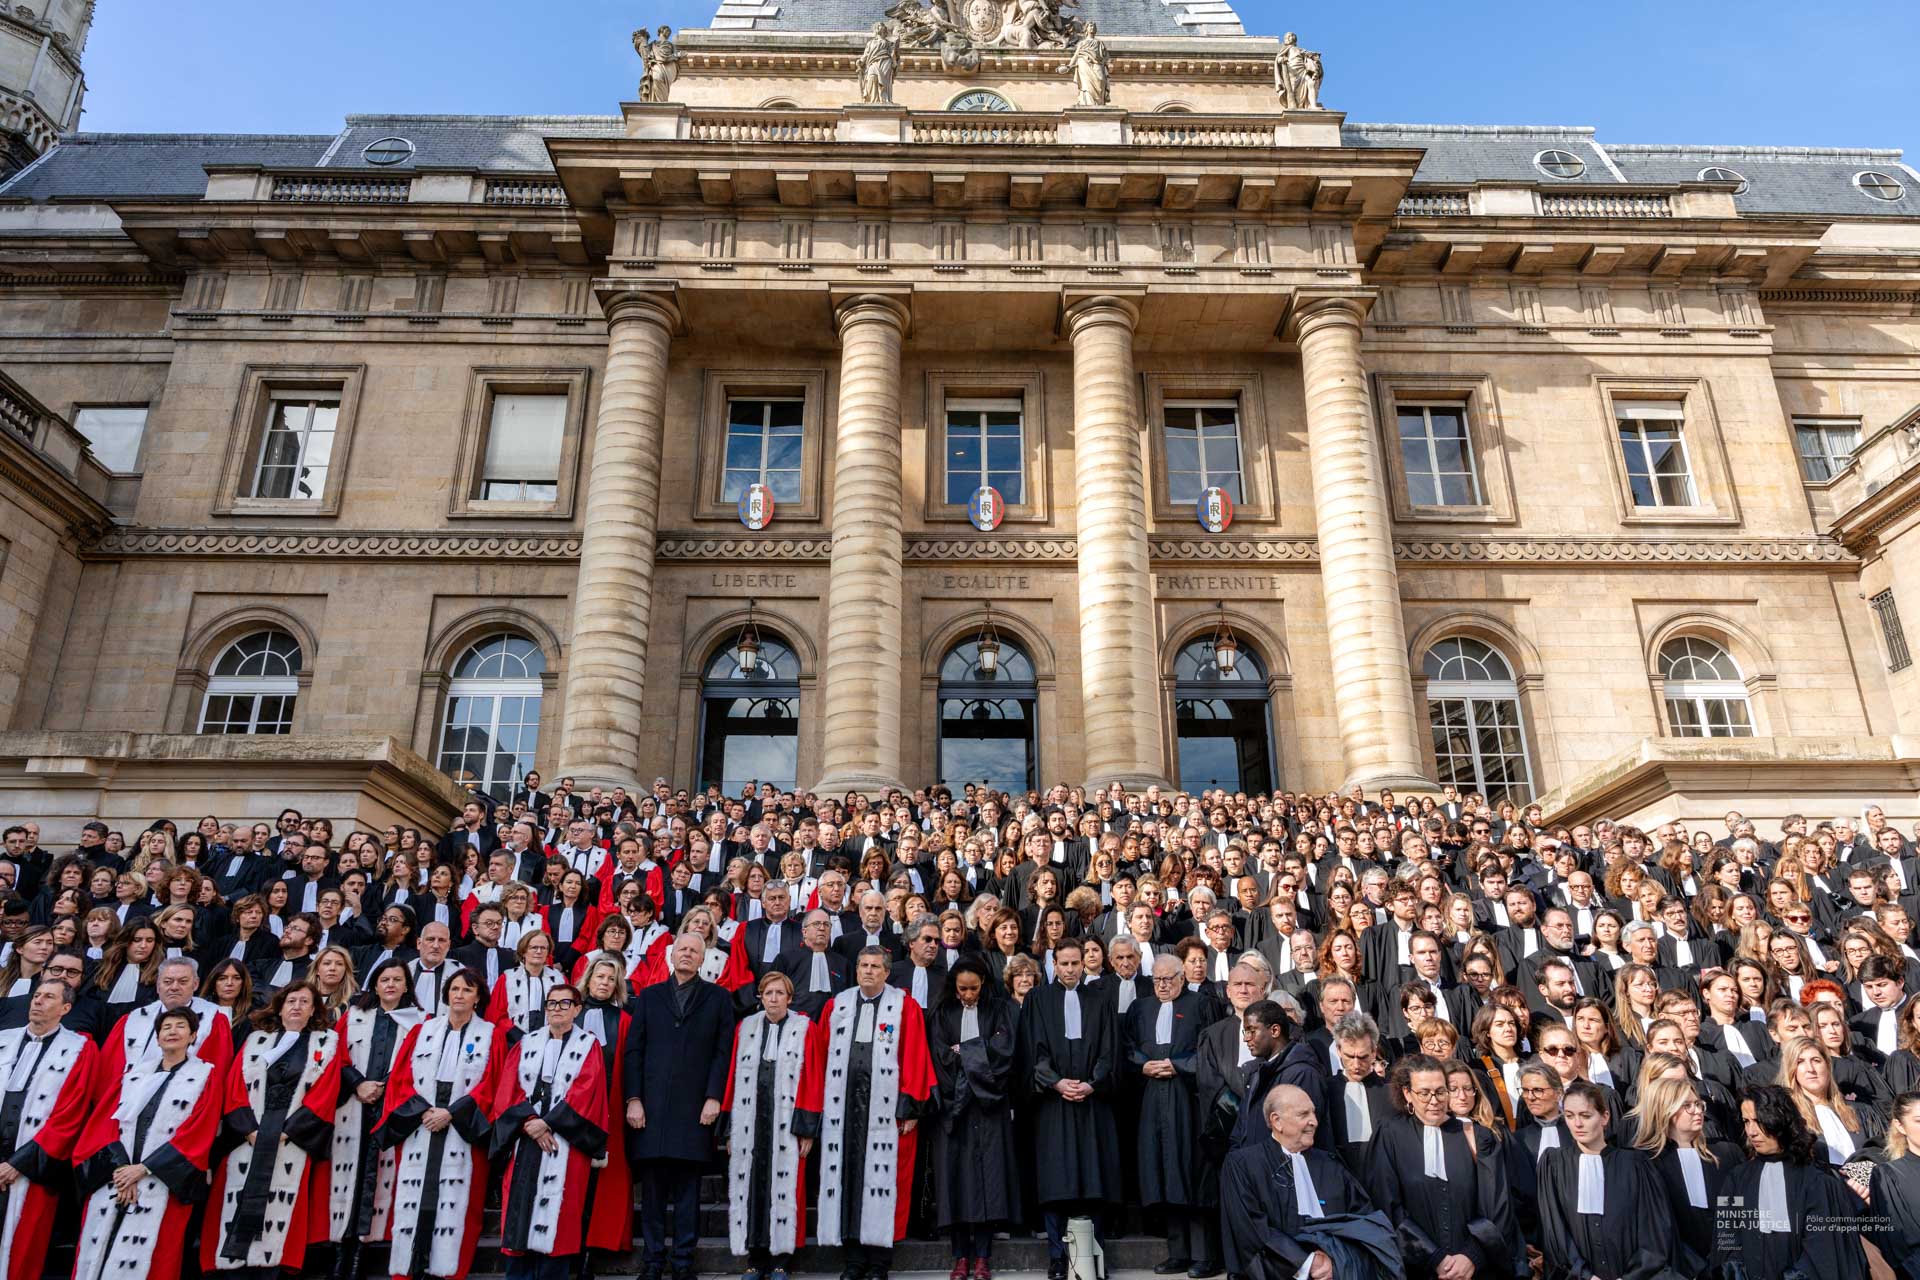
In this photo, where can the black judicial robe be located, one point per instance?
(1169, 1113)
(1632, 1240)
(1261, 1217)
(1813, 1192)
(1895, 1196)
(1523, 1171)
(1076, 1144)
(1694, 1224)
(968, 1142)
(1468, 1212)
(1339, 1140)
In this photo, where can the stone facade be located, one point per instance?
(760, 237)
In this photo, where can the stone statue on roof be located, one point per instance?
(878, 63)
(659, 64)
(1296, 76)
(1090, 69)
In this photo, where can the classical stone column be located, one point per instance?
(1372, 686)
(613, 599)
(860, 685)
(1120, 692)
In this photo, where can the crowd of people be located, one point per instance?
(1301, 1035)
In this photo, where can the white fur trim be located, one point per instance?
(290, 1160)
(132, 1253)
(43, 1092)
(346, 1128)
(543, 1223)
(784, 1193)
(142, 1051)
(527, 996)
(883, 1139)
(453, 1179)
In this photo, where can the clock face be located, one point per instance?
(980, 100)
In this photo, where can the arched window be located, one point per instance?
(1473, 708)
(492, 723)
(988, 719)
(1706, 697)
(1223, 729)
(253, 685)
(750, 719)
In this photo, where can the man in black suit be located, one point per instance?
(241, 870)
(921, 974)
(1357, 1098)
(483, 953)
(870, 837)
(775, 933)
(473, 830)
(677, 1056)
(818, 972)
(306, 880)
(873, 929)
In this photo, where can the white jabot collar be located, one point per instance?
(1593, 1186)
(1433, 1152)
(1773, 1216)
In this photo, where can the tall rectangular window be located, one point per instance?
(523, 448)
(1653, 444)
(986, 445)
(1825, 445)
(1438, 456)
(113, 432)
(296, 450)
(1884, 608)
(1203, 449)
(763, 447)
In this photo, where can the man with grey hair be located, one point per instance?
(774, 934)
(870, 928)
(1162, 1036)
(1358, 1101)
(924, 970)
(131, 1045)
(1129, 984)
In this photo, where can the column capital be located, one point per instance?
(625, 300)
(1079, 310)
(872, 306)
(1313, 310)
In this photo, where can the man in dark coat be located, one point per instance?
(1073, 1043)
(1357, 1099)
(679, 1047)
(1161, 1037)
(1276, 1195)
(1277, 1059)
(473, 830)
(819, 973)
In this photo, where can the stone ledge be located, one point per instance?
(64, 779)
(1699, 779)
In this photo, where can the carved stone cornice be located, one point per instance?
(345, 545)
(1236, 550)
(694, 548)
(1822, 551)
(1024, 550)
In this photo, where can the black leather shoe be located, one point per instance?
(1172, 1266)
(1204, 1270)
(853, 1271)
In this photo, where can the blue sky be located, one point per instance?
(1758, 72)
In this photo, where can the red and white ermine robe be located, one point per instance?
(442, 1182)
(867, 1087)
(610, 1218)
(544, 1197)
(360, 1199)
(775, 1066)
(519, 997)
(131, 1046)
(46, 1094)
(270, 1196)
(165, 1120)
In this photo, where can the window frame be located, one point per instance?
(980, 407)
(1486, 439)
(1425, 409)
(1700, 695)
(722, 386)
(1636, 423)
(766, 438)
(277, 402)
(140, 448)
(1822, 425)
(947, 388)
(495, 689)
(1475, 694)
(1893, 633)
(1715, 499)
(261, 387)
(484, 385)
(253, 688)
(1259, 501)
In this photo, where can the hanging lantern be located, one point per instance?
(987, 643)
(746, 647)
(1226, 649)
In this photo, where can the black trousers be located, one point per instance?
(972, 1242)
(539, 1266)
(670, 1202)
(869, 1259)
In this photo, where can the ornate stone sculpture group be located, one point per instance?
(964, 26)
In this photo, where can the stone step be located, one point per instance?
(1126, 1256)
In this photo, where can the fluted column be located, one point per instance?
(1120, 693)
(860, 685)
(1372, 685)
(613, 598)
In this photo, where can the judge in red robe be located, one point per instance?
(132, 1045)
(142, 1159)
(552, 1121)
(878, 1076)
(769, 1133)
(604, 1015)
(438, 1112)
(46, 1091)
(271, 1194)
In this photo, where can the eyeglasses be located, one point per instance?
(561, 1003)
(1427, 1095)
(1559, 1051)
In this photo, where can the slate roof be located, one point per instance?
(1114, 17)
(1808, 181)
